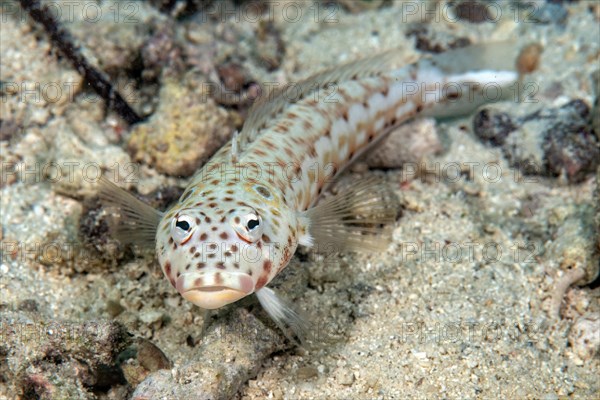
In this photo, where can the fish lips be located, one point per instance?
(211, 290)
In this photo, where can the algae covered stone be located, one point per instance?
(185, 131)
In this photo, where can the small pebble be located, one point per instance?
(114, 308)
(28, 305)
(150, 317)
(529, 58)
(308, 372)
(151, 357)
(344, 377)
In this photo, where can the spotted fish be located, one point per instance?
(243, 215)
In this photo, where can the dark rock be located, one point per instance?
(428, 40)
(570, 144)
(550, 141)
(53, 359)
(472, 11)
(233, 76)
(492, 126)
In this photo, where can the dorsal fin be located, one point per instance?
(272, 103)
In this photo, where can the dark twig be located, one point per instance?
(65, 43)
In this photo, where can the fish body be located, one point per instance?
(243, 215)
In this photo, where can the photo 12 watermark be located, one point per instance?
(87, 11)
(68, 172)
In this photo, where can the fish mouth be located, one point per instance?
(214, 290)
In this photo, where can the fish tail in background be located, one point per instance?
(137, 222)
(457, 82)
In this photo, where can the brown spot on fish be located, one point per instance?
(345, 114)
(224, 236)
(200, 265)
(203, 236)
(220, 265)
(281, 129)
(267, 266)
(262, 281)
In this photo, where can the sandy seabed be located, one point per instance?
(487, 290)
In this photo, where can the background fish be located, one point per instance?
(243, 215)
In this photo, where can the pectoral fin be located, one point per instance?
(284, 315)
(354, 219)
(136, 222)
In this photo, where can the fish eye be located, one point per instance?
(248, 225)
(183, 225)
(252, 224)
(183, 228)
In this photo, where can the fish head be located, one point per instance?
(225, 244)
